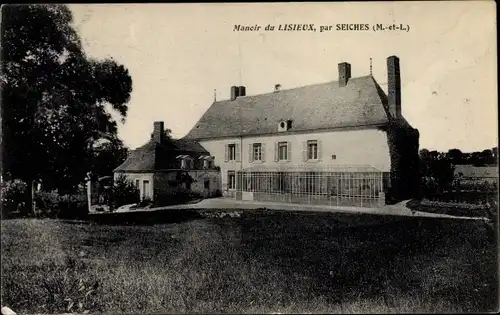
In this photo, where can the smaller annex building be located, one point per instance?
(164, 166)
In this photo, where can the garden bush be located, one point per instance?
(14, 197)
(176, 197)
(124, 192)
(68, 206)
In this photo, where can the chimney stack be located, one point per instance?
(235, 91)
(242, 91)
(158, 131)
(344, 73)
(394, 86)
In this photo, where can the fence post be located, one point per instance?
(381, 199)
(89, 194)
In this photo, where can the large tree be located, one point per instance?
(54, 96)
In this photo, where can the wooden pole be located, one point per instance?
(33, 201)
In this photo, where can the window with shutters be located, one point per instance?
(231, 150)
(282, 151)
(257, 151)
(312, 150)
(231, 180)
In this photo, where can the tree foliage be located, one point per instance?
(437, 168)
(54, 96)
(124, 192)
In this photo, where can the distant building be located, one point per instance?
(338, 142)
(476, 174)
(157, 167)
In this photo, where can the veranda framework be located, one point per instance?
(362, 186)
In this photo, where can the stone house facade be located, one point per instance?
(345, 133)
(164, 166)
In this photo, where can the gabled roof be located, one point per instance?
(153, 156)
(321, 106)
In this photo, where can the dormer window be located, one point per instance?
(207, 161)
(186, 162)
(284, 125)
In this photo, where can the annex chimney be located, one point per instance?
(235, 91)
(158, 131)
(344, 73)
(394, 86)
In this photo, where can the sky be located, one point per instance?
(178, 54)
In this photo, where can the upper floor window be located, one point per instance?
(282, 151)
(257, 151)
(186, 162)
(312, 150)
(207, 161)
(232, 152)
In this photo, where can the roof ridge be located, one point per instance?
(297, 87)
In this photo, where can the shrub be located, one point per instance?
(73, 206)
(67, 206)
(146, 201)
(124, 192)
(47, 203)
(176, 197)
(14, 197)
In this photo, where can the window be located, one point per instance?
(231, 180)
(206, 163)
(231, 152)
(257, 152)
(137, 184)
(206, 184)
(312, 150)
(285, 125)
(186, 162)
(282, 151)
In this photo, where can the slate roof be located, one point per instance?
(321, 106)
(153, 156)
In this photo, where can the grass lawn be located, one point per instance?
(261, 262)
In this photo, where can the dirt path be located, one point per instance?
(399, 209)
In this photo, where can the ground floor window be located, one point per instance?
(231, 180)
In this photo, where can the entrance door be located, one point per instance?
(206, 187)
(145, 189)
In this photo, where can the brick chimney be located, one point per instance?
(394, 86)
(344, 73)
(242, 91)
(158, 131)
(235, 91)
